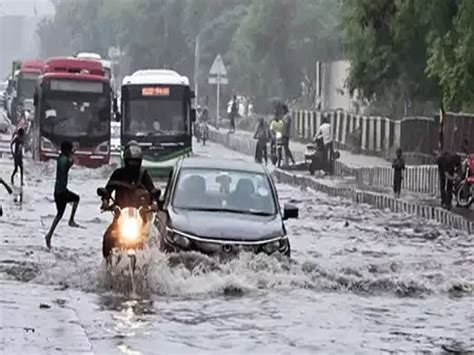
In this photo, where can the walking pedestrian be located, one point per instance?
(63, 196)
(325, 133)
(234, 111)
(16, 148)
(262, 135)
(287, 135)
(449, 164)
(398, 166)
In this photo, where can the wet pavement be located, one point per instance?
(360, 281)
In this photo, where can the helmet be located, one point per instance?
(132, 152)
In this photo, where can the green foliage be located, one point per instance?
(452, 59)
(411, 51)
(270, 46)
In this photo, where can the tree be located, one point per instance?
(451, 58)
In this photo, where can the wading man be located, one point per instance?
(62, 196)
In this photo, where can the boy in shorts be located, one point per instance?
(16, 148)
(62, 196)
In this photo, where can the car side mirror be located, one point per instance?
(193, 115)
(290, 212)
(102, 192)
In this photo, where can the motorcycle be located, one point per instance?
(130, 228)
(465, 189)
(204, 132)
(277, 149)
(313, 156)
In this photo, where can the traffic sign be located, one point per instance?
(218, 79)
(114, 52)
(218, 67)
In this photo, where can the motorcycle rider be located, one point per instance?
(129, 183)
(276, 126)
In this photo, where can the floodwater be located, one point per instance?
(360, 281)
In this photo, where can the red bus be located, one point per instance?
(26, 80)
(73, 102)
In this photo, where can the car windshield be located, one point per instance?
(155, 117)
(77, 115)
(224, 190)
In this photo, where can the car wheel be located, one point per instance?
(288, 252)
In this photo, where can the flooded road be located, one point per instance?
(360, 281)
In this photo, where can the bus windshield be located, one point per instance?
(27, 84)
(146, 117)
(75, 114)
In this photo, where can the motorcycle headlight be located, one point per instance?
(130, 230)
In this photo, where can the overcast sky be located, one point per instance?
(25, 7)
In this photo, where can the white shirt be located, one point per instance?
(325, 132)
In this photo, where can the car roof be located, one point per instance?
(223, 164)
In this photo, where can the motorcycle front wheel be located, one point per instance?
(464, 196)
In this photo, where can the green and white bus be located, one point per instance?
(157, 113)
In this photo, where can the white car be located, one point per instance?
(115, 136)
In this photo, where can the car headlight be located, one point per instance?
(102, 148)
(177, 238)
(48, 146)
(271, 247)
(181, 240)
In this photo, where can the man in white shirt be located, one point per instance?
(325, 133)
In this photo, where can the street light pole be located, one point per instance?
(196, 67)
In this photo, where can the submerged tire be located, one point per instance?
(463, 200)
(108, 244)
